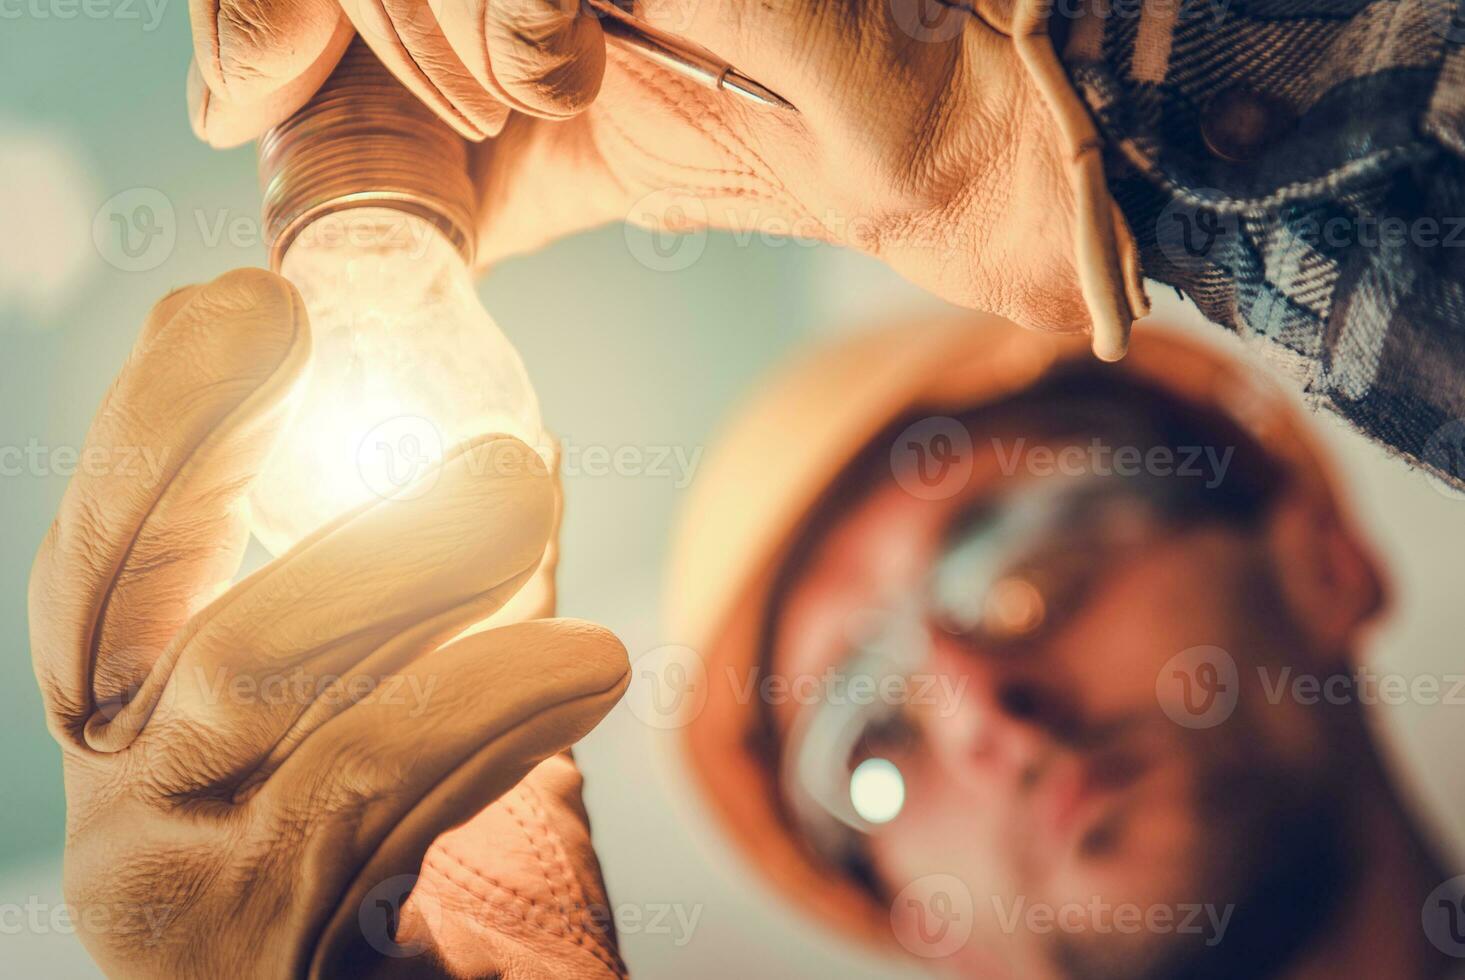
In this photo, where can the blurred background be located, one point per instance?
(631, 343)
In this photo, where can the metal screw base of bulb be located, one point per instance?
(364, 141)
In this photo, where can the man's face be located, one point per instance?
(1094, 835)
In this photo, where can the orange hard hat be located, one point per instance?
(782, 453)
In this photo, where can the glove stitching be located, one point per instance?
(553, 875)
(544, 833)
(555, 840)
(557, 843)
(624, 135)
(653, 82)
(520, 907)
(415, 810)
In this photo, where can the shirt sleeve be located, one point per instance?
(1295, 168)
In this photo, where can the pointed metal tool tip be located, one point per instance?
(736, 81)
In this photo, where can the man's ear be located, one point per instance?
(1329, 580)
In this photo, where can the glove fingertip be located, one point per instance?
(552, 65)
(250, 320)
(220, 123)
(582, 665)
(601, 660)
(249, 51)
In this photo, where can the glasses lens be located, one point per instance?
(1014, 567)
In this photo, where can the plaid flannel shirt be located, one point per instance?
(1297, 168)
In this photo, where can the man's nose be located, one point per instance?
(996, 721)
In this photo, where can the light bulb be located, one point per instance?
(369, 202)
(405, 363)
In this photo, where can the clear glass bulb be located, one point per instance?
(405, 364)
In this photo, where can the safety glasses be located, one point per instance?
(1012, 570)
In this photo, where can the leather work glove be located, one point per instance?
(472, 60)
(257, 776)
(942, 138)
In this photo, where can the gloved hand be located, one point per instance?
(254, 774)
(471, 60)
(951, 147)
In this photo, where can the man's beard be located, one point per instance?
(1280, 866)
